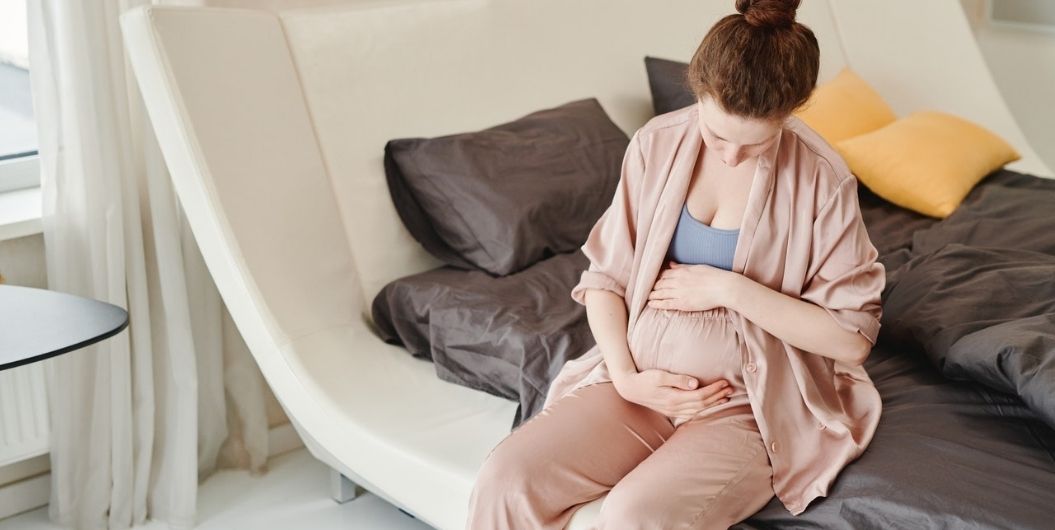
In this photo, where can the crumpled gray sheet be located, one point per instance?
(981, 314)
(947, 454)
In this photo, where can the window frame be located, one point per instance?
(20, 171)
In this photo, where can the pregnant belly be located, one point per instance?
(702, 344)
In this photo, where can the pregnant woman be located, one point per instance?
(733, 293)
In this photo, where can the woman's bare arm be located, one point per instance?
(607, 315)
(801, 323)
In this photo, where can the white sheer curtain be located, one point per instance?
(139, 419)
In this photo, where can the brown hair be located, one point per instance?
(758, 63)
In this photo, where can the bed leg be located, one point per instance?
(342, 489)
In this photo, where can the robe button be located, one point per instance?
(750, 367)
(773, 446)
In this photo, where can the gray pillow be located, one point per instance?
(507, 336)
(506, 197)
(666, 81)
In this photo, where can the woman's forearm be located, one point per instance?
(607, 315)
(799, 322)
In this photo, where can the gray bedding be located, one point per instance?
(982, 314)
(508, 336)
(946, 454)
(966, 438)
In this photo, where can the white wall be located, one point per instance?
(1022, 62)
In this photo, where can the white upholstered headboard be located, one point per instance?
(394, 69)
(372, 71)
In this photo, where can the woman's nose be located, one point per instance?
(733, 157)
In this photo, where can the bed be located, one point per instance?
(284, 190)
(966, 372)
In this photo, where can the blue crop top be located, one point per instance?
(695, 242)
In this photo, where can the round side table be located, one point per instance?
(36, 324)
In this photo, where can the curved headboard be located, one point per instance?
(304, 99)
(388, 70)
(382, 70)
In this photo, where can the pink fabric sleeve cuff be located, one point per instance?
(860, 321)
(595, 280)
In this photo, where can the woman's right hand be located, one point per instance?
(671, 394)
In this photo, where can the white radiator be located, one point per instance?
(23, 413)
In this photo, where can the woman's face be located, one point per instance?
(734, 138)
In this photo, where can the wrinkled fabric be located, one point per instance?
(947, 454)
(802, 234)
(641, 468)
(981, 314)
(507, 336)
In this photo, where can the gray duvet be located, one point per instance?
(965, 360)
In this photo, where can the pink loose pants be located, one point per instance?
(709, 471)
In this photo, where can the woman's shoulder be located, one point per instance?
(809, 155)
(682, 117)
(677, 122)
(674, 124)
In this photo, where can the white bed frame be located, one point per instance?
(273, 125)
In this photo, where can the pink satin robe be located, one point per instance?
(802, 234)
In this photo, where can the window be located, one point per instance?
(1023, 14)
(19, 167)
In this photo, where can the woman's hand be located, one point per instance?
(674, 395)
(692, 287)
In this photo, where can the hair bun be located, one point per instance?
(768, 13)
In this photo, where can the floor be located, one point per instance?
(294, 493)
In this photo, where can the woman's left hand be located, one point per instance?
(692, 287)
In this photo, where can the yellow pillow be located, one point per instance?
(927, 161)
(845, 107)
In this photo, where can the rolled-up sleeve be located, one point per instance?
(610, 245)
(844, 276)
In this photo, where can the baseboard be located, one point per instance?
(25, 495)
(34, 492)
(282, 439)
